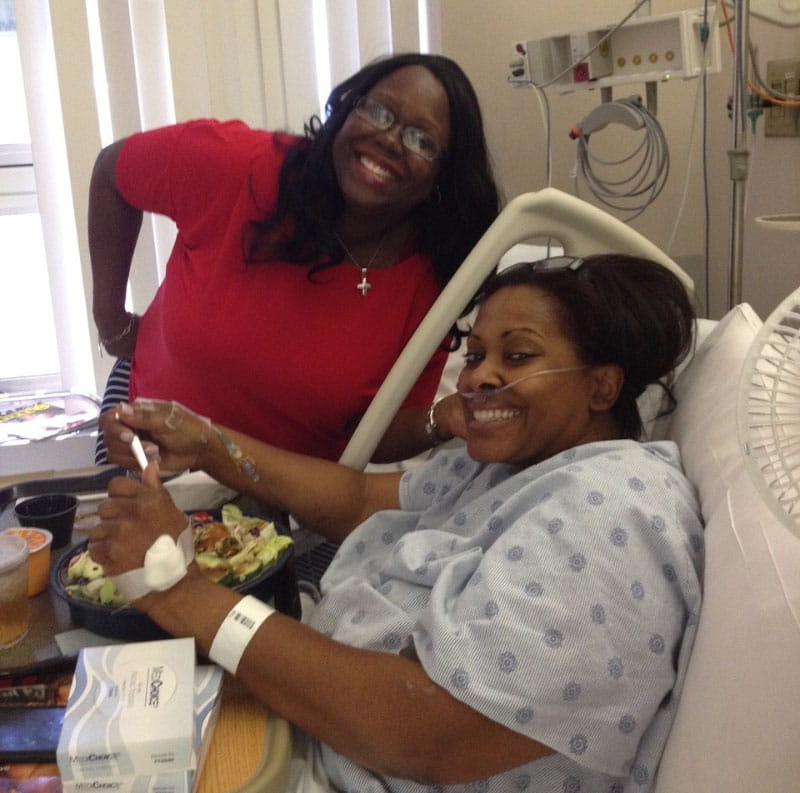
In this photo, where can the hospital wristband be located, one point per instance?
(236, 631)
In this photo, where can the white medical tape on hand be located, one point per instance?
(165, 564)
(236, 631)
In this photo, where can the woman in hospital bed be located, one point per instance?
(515, 614)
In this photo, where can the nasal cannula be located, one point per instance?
(492, 392)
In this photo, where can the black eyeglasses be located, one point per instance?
(416, 140)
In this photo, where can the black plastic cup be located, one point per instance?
(52, 511)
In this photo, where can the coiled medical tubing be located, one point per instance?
(649, 162)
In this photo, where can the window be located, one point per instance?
(30, 362)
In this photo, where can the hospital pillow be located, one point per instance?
(653, 403)
(738, 718)
(704, 421)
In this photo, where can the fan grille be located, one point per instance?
(770, 410)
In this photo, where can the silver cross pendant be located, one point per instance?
(365, 285)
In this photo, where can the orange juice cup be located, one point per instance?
(39, 542)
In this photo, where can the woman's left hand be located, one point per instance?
(135, 514)
(173, 434)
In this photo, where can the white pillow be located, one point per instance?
(738, 718)
(653, 402)
(704, 421)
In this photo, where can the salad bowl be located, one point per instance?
(266, 573)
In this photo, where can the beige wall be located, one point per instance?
(479, 35)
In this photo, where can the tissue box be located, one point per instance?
(207, 702)
(130, 712)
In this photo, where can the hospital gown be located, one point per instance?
(559, 600)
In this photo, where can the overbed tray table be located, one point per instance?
(250, 748)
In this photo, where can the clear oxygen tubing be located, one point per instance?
(490, 393)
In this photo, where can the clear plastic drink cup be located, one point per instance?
(14, 606)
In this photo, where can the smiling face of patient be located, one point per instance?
(517, 333)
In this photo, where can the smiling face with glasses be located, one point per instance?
(389, 151)
(416, 140)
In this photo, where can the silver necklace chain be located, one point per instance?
(364, 285)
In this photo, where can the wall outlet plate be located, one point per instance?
(784, 13)
(783, 77)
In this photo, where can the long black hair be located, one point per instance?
(616, 309)
(310, 202)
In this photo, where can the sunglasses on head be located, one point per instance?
(552, 264)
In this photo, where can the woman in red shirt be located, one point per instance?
(301, 265)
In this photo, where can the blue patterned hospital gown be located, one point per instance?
(560, 601)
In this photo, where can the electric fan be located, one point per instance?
(769, 411)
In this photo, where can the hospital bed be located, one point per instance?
(738, 719)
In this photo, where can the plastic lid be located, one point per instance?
(36, 538)
(13, 551)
